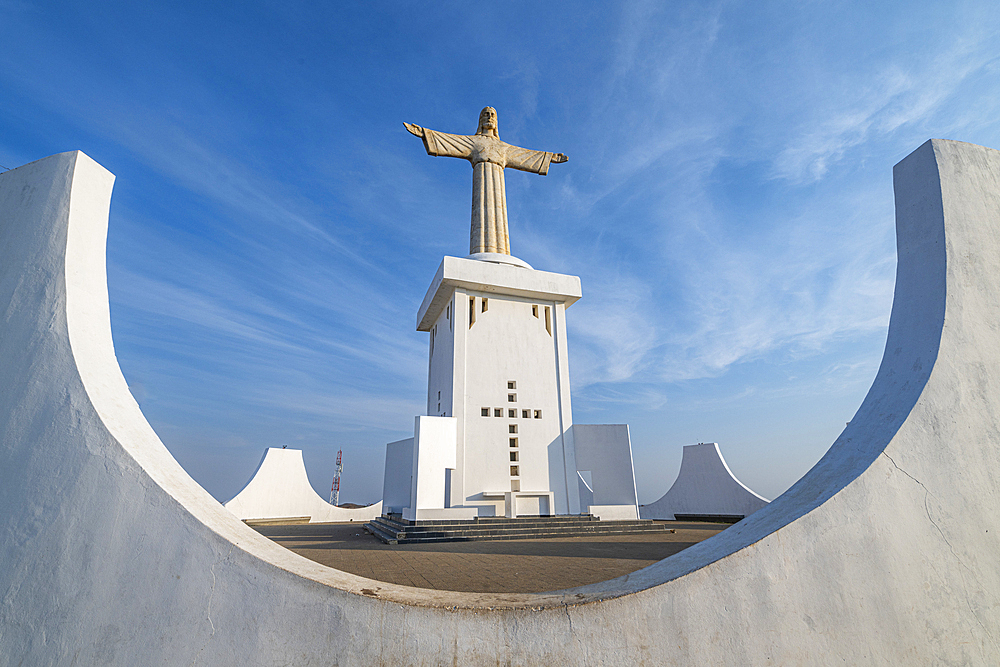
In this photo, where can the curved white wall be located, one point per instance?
(705, 485)
(280, 489)
(885, 552)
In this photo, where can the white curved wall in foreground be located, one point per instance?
(280, 489)
(885, 552)
(705, 485)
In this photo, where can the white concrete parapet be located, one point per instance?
(883, 553)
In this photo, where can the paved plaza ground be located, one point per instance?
(515, 566)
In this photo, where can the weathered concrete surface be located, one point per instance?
(112, 555)
(704, 485)
(280, 489)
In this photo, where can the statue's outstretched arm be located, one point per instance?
(536, 162)
(441, 143)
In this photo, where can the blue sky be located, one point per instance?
(727, 204)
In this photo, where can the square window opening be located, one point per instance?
(525, 414)
(514, 471)
(512, 413)
(515, 485)
(513, 442)
(513, 457)
(511, 398)
(512, 428)
(486, 412)
(538, 414)
(498, 412)
(511, 384)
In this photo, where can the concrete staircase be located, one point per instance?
(393, 529)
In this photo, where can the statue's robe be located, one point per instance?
(489, 157)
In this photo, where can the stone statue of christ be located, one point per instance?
(489, 157)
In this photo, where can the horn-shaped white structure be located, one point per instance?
(705, 486)
(885, 552)
(280, 489)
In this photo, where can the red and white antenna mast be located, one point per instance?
(335, 489)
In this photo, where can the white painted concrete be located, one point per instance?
(613, 512)
(489, 277)
(704, 485)
(499, 258)
(528, 503)
(280, 488)
(433, 459)
(397, 480)
(498, 367)
(884, 553)
(604, 464)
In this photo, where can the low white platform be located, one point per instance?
(280, 489)
(705, 486)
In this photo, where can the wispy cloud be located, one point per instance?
(727, 202)
(868, 105)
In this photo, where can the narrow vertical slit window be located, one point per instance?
(486, 303)
(472, 311)
(534, 311)
(548, 320)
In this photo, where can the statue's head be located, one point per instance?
(488, 122)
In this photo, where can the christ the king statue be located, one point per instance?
(489, 157)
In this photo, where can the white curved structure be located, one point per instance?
(884, 553)
(704, 486)
(280, 489)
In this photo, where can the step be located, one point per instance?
(528, 528)
(585, 518)
(394, 530)
(512, 524)
(496, 525)
(511, 536)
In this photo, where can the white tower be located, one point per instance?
(498, 438)
(499, 366)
